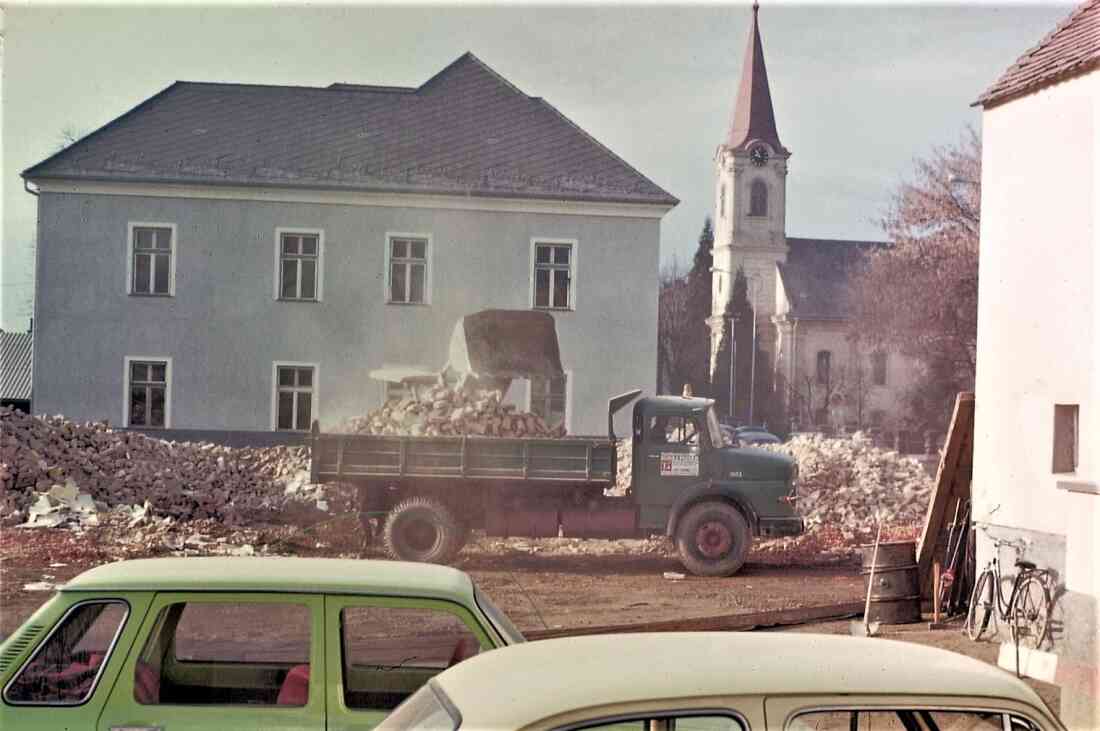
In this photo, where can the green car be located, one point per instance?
(180, 644)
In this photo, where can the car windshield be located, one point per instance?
(504, 627)
(424, 710)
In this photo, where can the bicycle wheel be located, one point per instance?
(1031, 612)
(981, 606)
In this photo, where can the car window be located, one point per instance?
(66, 668)
(665, 722)
(902, 719)
(389, 652)
(227, 653)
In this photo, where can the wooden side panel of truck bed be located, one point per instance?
(357, 456)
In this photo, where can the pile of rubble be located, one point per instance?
(58, 461)
(443, 410)
(847, 484)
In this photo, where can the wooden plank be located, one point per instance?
(952, 484)
(723, 623)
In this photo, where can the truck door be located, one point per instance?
(670, 453)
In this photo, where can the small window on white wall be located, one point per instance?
(148, 385)
(407, 276)
(554, 267)
(299, 264)
(549, 400)
(152, 264)
(1065, 438)
(295, 396)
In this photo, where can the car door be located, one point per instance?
(380, 650)
(206, 660)
(902, 713)
(65, 681)
(670, 452)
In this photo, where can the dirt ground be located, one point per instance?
(540, 584)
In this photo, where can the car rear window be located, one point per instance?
(65, 670)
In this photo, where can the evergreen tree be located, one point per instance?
(735, 353)
(699, 309)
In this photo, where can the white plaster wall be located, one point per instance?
(1037, 315)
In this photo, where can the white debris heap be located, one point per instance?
(443, 410)
(845, 484)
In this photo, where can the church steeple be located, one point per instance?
(753, 117)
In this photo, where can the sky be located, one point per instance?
(860, 91)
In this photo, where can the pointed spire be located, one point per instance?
(753, 117)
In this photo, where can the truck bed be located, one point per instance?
(338, 457)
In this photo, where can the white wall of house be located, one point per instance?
(1038, 320)
(1038, 346)
(223, 328)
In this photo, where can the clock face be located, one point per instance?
(759, 156)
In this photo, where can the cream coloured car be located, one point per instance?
(722, 682)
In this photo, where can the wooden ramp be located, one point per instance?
(951, 493)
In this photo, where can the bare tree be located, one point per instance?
(920, 295)
(675, 329)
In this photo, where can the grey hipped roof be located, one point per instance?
(817, 274)
(467, 131)
(1072, 48)
(15, 365)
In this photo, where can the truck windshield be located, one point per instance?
(504, 627)
(714, 429)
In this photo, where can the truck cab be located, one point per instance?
(710, 498)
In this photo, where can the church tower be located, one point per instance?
(750, 188)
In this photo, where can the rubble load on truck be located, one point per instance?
(56, 472)
(845, 484)
(445, 410)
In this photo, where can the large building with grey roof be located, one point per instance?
(241, 257)
(817, 374)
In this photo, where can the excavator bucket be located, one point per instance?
(499, 345)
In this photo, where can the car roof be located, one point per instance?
(578, 672)
(276, 574)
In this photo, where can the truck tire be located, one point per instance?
(713, 539)
(422, 529)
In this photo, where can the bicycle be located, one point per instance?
(1028, 607)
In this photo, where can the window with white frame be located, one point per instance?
(151, 260)
(553, 275)
(147, 397)
(299, 265)
(408, 275)
(294, 397)
(1065, 438)
(548, 399)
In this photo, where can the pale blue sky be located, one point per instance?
(859, 90)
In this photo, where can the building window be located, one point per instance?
(878, 418)
(295, 392)
(758, 198)
(722, 201)
(299, 265)
(1065, 437)
(824, 366)
(152, 259)
(147, 382)
(548, 399)
(554, 275)
(408, 270)
(878, 368)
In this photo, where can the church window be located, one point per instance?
(824, 365)
(878, 368)
(722, 202)
(758, 198)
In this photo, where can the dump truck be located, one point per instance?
(429, 492)
(686, 483)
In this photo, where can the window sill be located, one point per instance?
(162, 295)
(408, 304)
(1081, 486)
(297, 301)
(553, 309)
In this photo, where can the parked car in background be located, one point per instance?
(747, 436)
(722, 682)
(242, 644)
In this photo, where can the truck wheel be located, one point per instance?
(421, 529)
(713, 539)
